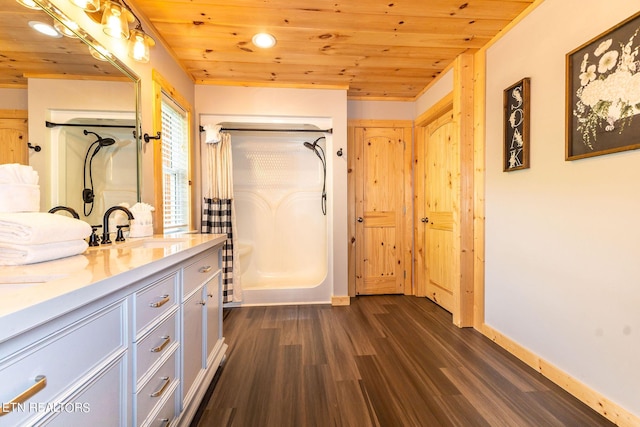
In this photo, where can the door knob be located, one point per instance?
(425, 219)
(360, 219)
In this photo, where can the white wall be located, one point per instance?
(380, 110)
(438, 90)
(331, 104)
(562, 238)
(13, 99)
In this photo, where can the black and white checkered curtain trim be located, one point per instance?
(216, 219)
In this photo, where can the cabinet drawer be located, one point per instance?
(58, 361)
(200, 271)
(159, 385)
(166, 414)
(153, 301)
(156, 344)
(102, 402)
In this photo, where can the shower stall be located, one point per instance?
(280, 181)
(94, 163)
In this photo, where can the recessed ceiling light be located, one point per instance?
(264, 40)
(45, 29)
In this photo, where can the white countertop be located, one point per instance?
(33, 294)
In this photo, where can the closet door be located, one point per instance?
(381, 216)
(14, 137)
(438, 275)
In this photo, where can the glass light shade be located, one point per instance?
(99, 53)
(87, 5)
(139, 44)
(66, 27)
(114, 21)
(30, 4)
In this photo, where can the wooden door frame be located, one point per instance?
(407, 232)
(461, 101)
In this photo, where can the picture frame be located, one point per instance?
(516, 125)
(603, 93)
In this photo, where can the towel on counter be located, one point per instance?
(36, 228)
(14, 173)
(28, 254)
(19, 190)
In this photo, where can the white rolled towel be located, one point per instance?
(15, 173)
(11, 254)
(19, 197)
(36, 228)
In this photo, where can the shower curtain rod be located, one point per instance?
(52, 125)
(271, 130)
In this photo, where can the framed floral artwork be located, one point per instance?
(603, 93)
(516, 126)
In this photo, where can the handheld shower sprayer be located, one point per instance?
(87, 192)
(320, 153)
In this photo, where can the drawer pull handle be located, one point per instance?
(205, 269)
(161, 347)
(163, 301)
(41, 382)
(158, 393)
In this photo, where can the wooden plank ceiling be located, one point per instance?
(27, 53)
(387, 50)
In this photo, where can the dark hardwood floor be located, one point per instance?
(382, 361)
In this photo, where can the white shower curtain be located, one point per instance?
(219, 212)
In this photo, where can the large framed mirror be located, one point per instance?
(70, 110)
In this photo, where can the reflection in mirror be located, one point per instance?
(62, 83)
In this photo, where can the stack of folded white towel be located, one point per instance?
(26, 235)
(19, 190)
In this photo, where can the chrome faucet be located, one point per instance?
(105, 222)
(65, 208)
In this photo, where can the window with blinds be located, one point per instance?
(175, 166)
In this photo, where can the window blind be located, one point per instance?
(175, 166)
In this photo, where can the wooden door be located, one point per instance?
(14, 137)
(437, 268)
(380, 210)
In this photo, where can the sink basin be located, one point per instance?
(145, 243)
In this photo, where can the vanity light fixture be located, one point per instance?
(30, 4)
(139, 44)
(45, 29)
(115, 20)
(66, 28)
(264, 40)
(87, 5)
(99, 53)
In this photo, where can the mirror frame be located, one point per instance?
(87, 39)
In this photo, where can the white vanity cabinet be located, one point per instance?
(203, 346)
(141, 351)
(72, 368)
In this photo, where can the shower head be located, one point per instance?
(87, 192)
(320, 153)
(102, 142)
